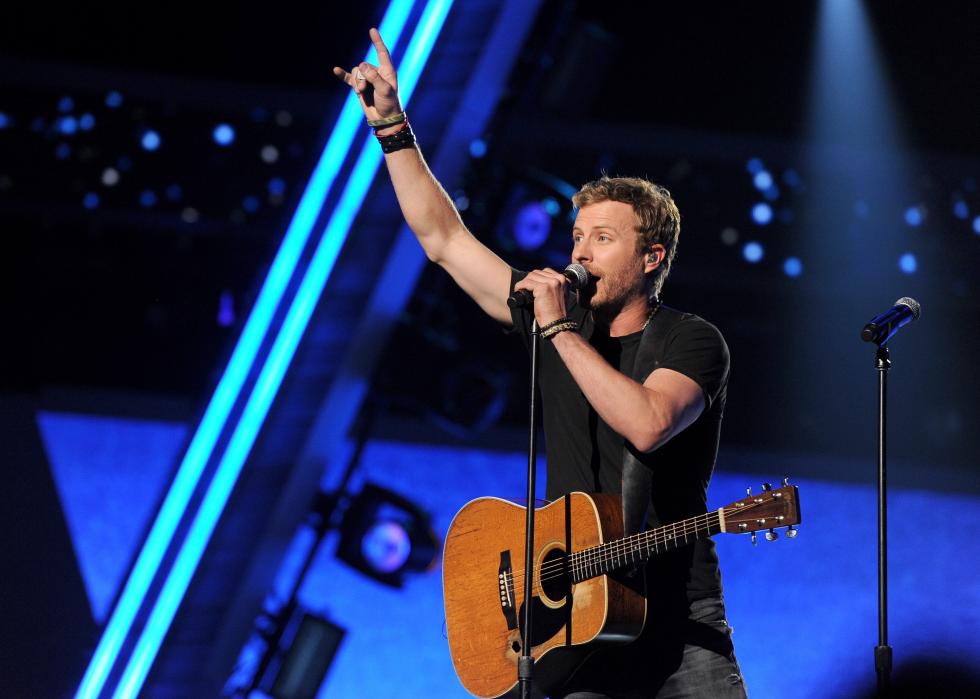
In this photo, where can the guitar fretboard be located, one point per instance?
(637, 549)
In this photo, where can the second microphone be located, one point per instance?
(577, 277)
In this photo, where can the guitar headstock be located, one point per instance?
(770, 509)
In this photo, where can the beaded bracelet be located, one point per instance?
(560, 328)
(549, 326)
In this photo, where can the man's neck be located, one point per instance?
(631, 318)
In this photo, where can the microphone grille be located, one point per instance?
(580, 273)
(912, 305)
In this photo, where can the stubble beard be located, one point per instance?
(619, 290)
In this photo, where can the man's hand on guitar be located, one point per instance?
(376, 86)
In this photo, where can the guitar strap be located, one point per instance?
(637, 476)
(637, 483)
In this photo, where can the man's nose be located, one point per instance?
(581, 252)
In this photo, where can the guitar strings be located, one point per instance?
(598, 555)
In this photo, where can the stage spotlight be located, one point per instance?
(914, 216)
(907, 263)
(762, 214)
(385, 536)
(532, 226)
(90, 201)
(269, 154)
(976, 225)
(961, 210)
(762, 180)
(67, 125)
(729, 236)
(478, 147)
(148, 198)
(62, 151)
(174, 192)
(86, 122)
(792, 267)
(754, 166)
(150, 140)
(277, 186)
(113, 100)
(66, 104)
(250, 204)
(224, 135)
(4, 120)
(752, 252)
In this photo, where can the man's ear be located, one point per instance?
(655, 257)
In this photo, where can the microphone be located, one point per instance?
(881, 328)
(576, 275)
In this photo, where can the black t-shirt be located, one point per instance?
(585, 454)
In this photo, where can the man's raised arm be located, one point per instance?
(427, 208)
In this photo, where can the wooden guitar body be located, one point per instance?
(484, 591)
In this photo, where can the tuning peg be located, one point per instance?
(767, 486)
(791, 532)
(786, 480)
(754, 541)
(771, 535)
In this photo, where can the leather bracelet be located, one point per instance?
(401, 139)
(388, 120)
(560, 328)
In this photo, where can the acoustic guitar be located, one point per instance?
(587, 591)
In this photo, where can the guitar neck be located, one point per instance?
(637, 549)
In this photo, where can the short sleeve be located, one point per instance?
(697, 349)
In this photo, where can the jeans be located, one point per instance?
(693, 659)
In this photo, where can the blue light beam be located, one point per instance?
(229, 387)
(276, 364)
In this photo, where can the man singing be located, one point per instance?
(626, 383)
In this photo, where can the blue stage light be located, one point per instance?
(976, 225)
(754, 165)
(913, 216)
(86, 122)
(752, 252)
(90, 200)
(174, 192)
(4, 120)
(793, 267)
(66, 104)
(762, 180)
(532, 226)
(67, 125)
(907, 263)
(62, 151)
(961, 210)
(762, 213)
(113, 100)
(771, 194)
(551, 205)
(792, 179)
(125, 163)
(478, 147)
(224, 135)
(250, 204)
(148, 198)
(277, 186)
(150, 140)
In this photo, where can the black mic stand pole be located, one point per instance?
(883, 652)
(525, 662)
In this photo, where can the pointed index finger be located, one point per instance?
(384, 58)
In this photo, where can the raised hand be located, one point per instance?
(376, 86)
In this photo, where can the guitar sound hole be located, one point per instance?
(554, 575)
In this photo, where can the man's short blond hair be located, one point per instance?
(659, 221)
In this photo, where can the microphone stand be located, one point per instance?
(525, 662)
(883, 652)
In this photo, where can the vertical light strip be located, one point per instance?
(199, 452)
(277, 363)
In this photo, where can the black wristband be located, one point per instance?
(400, 140)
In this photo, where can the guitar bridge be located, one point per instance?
(505, 584)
